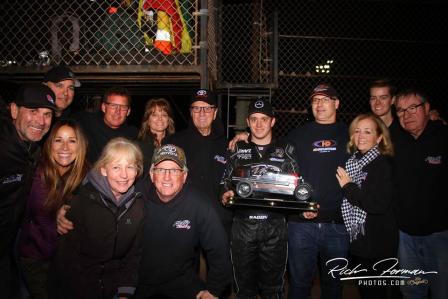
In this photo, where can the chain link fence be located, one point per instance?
(345, 43)
(98, 32)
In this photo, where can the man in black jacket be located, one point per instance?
(31, 114)
(103, 126)
(259, 236)
(179, 222)
(205, 144)
(421, 169)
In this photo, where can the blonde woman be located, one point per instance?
(367, 209)
(99, 258)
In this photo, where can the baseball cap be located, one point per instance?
(260, 106)
(36, 96)
(325, 90)
(170, 152)
(60, 73)
(205, 95)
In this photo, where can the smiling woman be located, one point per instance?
(60, 172)
(99, 258)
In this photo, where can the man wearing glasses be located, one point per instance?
(109, 123)
(179, 222)
(421, 168)
(204, 143)
(320, 148)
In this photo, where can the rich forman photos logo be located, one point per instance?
(384, 272)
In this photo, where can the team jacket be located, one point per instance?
(18, 162)
(174, 234)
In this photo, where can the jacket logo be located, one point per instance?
(220, 159)
(12, 179)
(128, 221)
(434, 160)
(279, 152)
(182, 224)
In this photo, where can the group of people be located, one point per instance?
(99, 209)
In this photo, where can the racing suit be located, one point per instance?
(259, 236)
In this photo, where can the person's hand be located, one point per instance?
(342, 176)
(310, 214)
(225, 198)
(204, 294)
(64, 225)
(243, 136)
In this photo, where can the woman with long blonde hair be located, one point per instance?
(62, 168)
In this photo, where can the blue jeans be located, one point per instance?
(307, 242)
(427, 253)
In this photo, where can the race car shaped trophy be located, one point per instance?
(266, 185)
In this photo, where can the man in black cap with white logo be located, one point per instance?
(63, 82)
(259, 236)
(29, 120)
(179, 222)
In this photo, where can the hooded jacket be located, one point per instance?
(99, 258)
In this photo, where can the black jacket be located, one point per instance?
(375, 198)
(421, 176)
(174, 234)
(100, 256)
(206, 158)
(99, 134)
(18, 162)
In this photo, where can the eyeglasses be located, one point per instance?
(411, 109)
(117, 106)
(325, 100)
(171, 171)
(206, 109)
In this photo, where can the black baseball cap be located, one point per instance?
(60, 73)
(36, 95)
(205, 95)
(260, 106)
(170, 152)
(325, 90)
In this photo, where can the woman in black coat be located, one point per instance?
(367, 209)
(99, 258)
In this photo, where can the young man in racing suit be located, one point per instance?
(258, 236)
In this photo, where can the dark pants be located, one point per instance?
(259, 253)
(183, 287)
(308, 244)
(9, 277)
(35, 273)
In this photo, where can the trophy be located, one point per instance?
(267, 186)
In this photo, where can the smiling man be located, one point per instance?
(108, 123)
(421, 168)
(30, 119)
(179, 222)
(320, 148)
(62, 82)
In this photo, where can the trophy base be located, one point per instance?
(273, 203)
